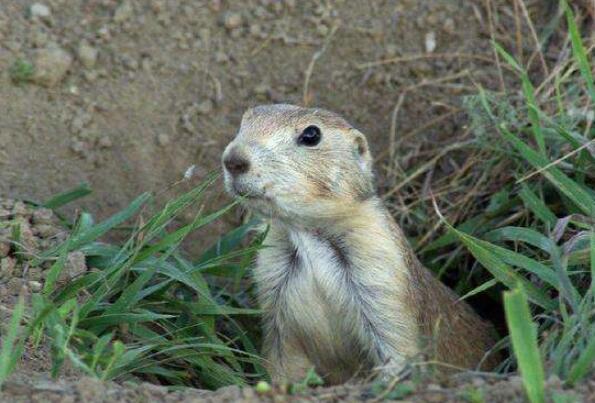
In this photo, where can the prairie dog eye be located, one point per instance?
(310, 136)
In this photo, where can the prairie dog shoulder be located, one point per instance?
(340, 287)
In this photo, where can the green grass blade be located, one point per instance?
(10, 352)
(584, 365)
(545, 273)
(522, 234)
(69, 196)
(523, 334)
(579, 50)
(120, 318)
(537, 206)
(579, 196)
(529, 92)
(479, 289)
(228, 242)
(100, 229)
(483, 252)
(592, 253)
(56, 269)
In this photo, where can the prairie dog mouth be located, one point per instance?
(240, 191)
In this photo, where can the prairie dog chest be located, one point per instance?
(302, 274)
(305, 294)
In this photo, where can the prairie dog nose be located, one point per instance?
(236, 162)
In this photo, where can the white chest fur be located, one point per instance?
(317, 296)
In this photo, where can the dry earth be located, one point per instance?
(126, 95)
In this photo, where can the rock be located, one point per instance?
(392, 50)
(129, 62)
(80, 121)
(35, 286)
(163, 139)
(87, 55)
(78, 147)
(105, 142)
(74, 267)
(430, 41)
(39, 38)
(123, 12)
(322, 30)
(262, 89)
(152, 392)
(43, 215)
(255, 30)
(4, 248)
(20, 210)
(232, 20)
(14, 286)
(104, 33)
(205, 107)
(91, 389)
(7, 266)
(45, 230)
(34, 274)
(39, 11)
(27, 239)
(221, 57)
(51, 65)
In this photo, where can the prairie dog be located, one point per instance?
(340, 287)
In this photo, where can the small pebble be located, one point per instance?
(322, 30)
(26, 237)
(7, 266)
(87, 55)
(123, 12)
(43, 216)
(40, 11)
(45, 230)
(35, 286)
(104, 33)
(4, 249)
(105, 142)
(163, 139)
(51, 65)
(74, 267)
(14, 286)
(262, 89)
(232, 20)
(20, 209)
(205, 107)
(392, 50)
(221, 57)
(430, 41)
(77, 146)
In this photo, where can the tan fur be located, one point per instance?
(340, 287)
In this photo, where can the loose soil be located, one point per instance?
(127, 95)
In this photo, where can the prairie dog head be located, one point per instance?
(298, 164)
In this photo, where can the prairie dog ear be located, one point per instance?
(362, 151)
(249, 113)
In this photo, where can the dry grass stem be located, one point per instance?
(310, 69)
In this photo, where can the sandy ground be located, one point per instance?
(127, 95)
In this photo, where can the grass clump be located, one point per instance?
(146, 311)
(536, 233)
(21, 71)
